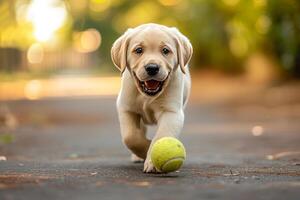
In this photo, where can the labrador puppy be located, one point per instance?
(155, 85)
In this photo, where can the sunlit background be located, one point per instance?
(257, 38)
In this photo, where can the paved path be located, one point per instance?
(70, 148)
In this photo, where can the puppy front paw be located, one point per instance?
(136, 159)
(149, 167)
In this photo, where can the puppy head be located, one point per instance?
(151, 52)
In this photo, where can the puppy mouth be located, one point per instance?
(150, 87)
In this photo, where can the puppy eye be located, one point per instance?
(138, 50)
(165, 51)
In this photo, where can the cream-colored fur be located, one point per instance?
(136, 109)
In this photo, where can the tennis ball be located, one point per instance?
(167, 154)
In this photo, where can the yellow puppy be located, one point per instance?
(155, 85)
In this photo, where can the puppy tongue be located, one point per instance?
(152, 84)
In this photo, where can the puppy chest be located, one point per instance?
(147, 113)
(149, 118)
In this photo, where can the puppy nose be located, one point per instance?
(152, 69)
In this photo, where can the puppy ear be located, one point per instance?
(184, 49)
(119, 51)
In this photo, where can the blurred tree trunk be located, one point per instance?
(11, 59)
(297, 64)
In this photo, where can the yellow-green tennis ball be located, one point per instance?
(167, 154)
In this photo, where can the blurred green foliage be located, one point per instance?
(6, 138)
(224, 33)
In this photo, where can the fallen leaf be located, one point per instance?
(142, 183)
(232, 174)
(286, 154)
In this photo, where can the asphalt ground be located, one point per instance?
(70, 148)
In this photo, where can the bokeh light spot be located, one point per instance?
(47, 16)
(35, 53)
(263, 24)
(257, 130)
(33, 89)
(260, 3)
(169, 2)
(238, 46)
(231, 2)
(144, 12)
(87, 41)
(99, 5)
